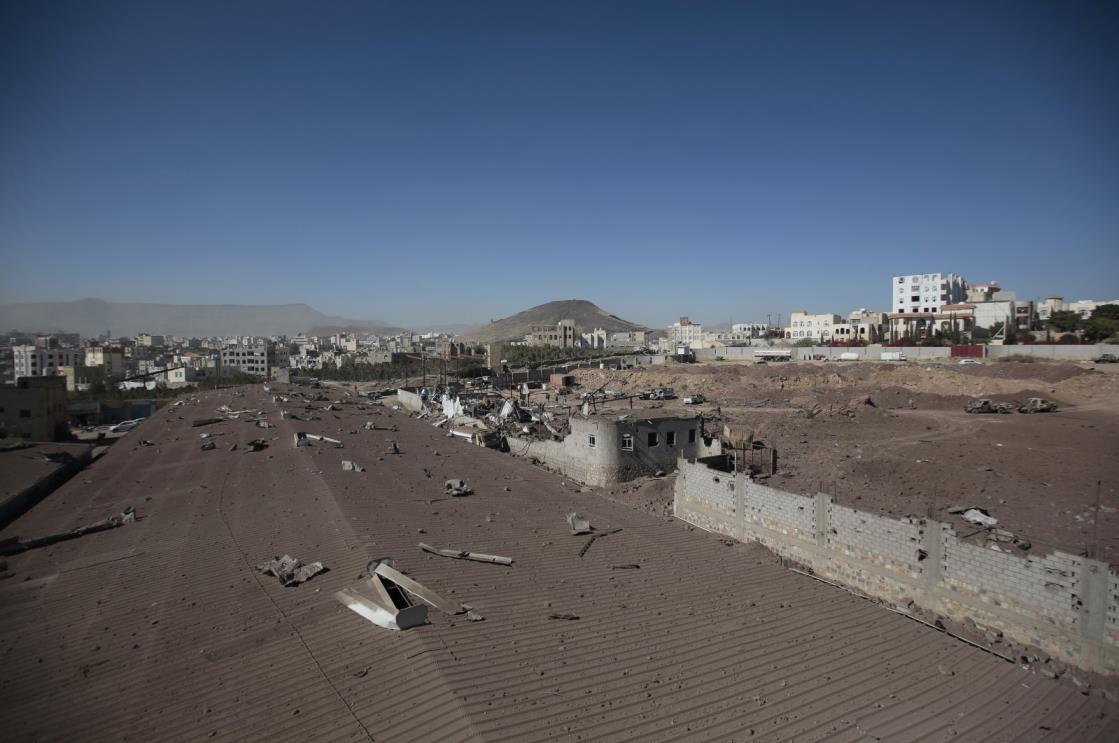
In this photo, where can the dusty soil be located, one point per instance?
(912, 450)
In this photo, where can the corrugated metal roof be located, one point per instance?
(163, 630)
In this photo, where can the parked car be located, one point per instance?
(1107, 358)
(965, 362)
(695, 400)
(125, 426)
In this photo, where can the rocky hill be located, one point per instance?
(587, 316)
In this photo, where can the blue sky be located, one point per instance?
(455, 162)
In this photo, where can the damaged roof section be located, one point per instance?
(177, 596)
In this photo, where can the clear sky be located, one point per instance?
(452, 162)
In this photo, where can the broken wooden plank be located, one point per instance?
(464, 555)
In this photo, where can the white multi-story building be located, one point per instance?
(32, 361)
(685, 333)
(817, 327)
(926, 292)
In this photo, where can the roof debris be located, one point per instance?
(15, 545)
(457, 488)
(291, 571)
(464, 555)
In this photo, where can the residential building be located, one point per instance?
(627, 339)
(926, 292)
(1083, 307)
(258, 359)
(951, 319)
(111, 360)
(563, 334)
(816, 327)
(34, 409)
(864, 325)
(147, 339)
(33, 361)
(685, 333)
(749, 329)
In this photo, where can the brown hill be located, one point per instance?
(587, 316)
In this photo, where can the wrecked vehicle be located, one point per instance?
(1037, 405)
(986, 406)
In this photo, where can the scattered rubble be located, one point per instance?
(974, 515)
(291, 571)
(348, 466)
(457, 488)
(304, 439)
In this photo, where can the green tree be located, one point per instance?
(1098, 329)
(1066, 321)
(1106, 312)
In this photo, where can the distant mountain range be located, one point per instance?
(587, 316)
(91, 317)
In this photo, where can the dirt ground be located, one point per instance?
(894, 439)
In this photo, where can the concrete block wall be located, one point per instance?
(890, 543)
(776, 510)
(1065, 604)
(1047, 587)
(1070, 353)
(914, 353)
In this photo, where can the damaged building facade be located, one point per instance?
(603, 449)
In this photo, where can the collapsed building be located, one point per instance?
(580, 437)
(600, 449)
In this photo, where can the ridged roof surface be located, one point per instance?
(163, 629)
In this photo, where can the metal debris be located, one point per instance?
(209, 445)
(257, 445)
(464, 555)
(349, 466)
(578, 524)
(291, 571)
(145, 442)
(304, 439)
(420, 591)
(206, 422)
(974, 515)
(563, 615)
(15, 545)
(457, 488)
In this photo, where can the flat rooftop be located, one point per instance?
(163, 630)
